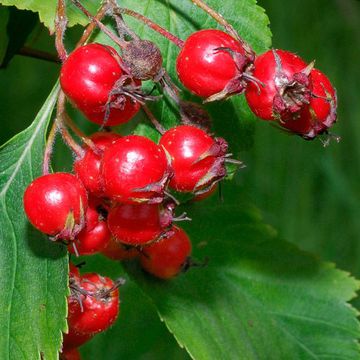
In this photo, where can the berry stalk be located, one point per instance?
(174, 39)
(60, 28)
(49, 148)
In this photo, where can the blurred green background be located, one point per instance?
(309, 193)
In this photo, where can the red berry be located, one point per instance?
(99, 297)
(55, 204)
(286, 85)
(211, 62)
(117, 251)
(72, 354)
(88, 77)
(135, 170)
(95, 236)
(165, 258)
(138, 224)
(73, 271)
(87, 168)
(320, 115)
(197, 159)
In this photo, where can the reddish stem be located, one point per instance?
(100, 25)
(178, 42)
(153, 120)
(49, 148)
(220, 19)
(60, 27)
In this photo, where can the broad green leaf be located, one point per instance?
(259, 297)
(33, 270)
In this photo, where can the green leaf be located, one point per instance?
(33, 277)
(259, 297)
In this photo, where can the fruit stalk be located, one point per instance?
(174, 39)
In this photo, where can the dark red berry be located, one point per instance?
(56, 204)
(165, 258)
(92, 78)
(135, 170)
(320, 114)
(87, 168)
(95, 235)
(212, 62)
(285, 88)
(72, 354)
(197, 159)
(117, 251)
(93, 305)
(138, 224)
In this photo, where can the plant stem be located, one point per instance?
(178, 42)
(100, 25)
(60, 114)
(220, 19)
(60, 27)
(49, 148)
(38, 54)
(90, 28)
(153, 120)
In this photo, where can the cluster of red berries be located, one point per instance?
(279, 86)
(120, 200)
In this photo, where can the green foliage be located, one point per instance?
(33, 271)
(259, 297)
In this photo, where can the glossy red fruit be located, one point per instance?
(87, 168)
(286, 86)
(197, 159)
(95, 235)
(100, 305)
(88, 77)
(166, 258)
(117, 251)
(74, 271)
(56, 204)
(211, 62)
(138, 224)
(135, 170)
(317, 117)
(72, 354)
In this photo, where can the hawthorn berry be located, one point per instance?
(116, 251)
(197, 159)
(213, 64)
(93, 79)
(135, 170)
(138, 224)
(93, 305)
(320, 114)
(285, 89)
(95, 235)
(87, 168)
(166, 258)
(56, 205)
